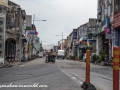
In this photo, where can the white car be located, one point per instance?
(40, 55)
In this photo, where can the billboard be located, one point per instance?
(4, 2)
(28, 20)
(108, 34)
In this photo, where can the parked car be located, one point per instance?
(61, 54)
(84, 57)
(40, 55)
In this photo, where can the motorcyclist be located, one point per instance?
(50, 56)
(47, 56)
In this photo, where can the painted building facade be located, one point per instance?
(104, 26)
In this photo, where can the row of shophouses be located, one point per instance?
(19, 39)
(101, 33)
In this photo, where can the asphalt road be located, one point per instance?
(100, 76)
(37, 75)
(61, 75)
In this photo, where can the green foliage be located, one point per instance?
(95, 57)
(102, 55)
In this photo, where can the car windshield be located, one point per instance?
(61, 53)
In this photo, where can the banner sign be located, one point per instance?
(106, 30)
(74, 34)
(32, 32)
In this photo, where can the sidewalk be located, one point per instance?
(14, 64)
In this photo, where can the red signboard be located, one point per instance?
(116, 20)
(36, 33)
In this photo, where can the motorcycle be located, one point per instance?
(50, 58)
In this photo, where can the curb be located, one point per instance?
(6, 66)
(88, 86)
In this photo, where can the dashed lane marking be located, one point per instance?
(80, 82)
(74, 78)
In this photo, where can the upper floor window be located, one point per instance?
(117, 6)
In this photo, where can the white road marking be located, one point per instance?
(74, 78)
(80, 82)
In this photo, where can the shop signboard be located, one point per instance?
(28, 21)
(108, 34)
(32, 32)
(116, 21)
(106, 30)
(30, 47)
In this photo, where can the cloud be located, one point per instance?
(61, 15)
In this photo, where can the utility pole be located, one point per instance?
(62, 41)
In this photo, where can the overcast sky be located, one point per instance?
(61, 15)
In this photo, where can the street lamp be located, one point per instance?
(43, 41)
(33, 24)
(36, 20)
(62, 39)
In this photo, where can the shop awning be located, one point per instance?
(84, 41)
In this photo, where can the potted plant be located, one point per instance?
(95, 58)
(102, 57)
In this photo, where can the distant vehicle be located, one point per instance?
(61, 54)
(84, 57)
(40, 55)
